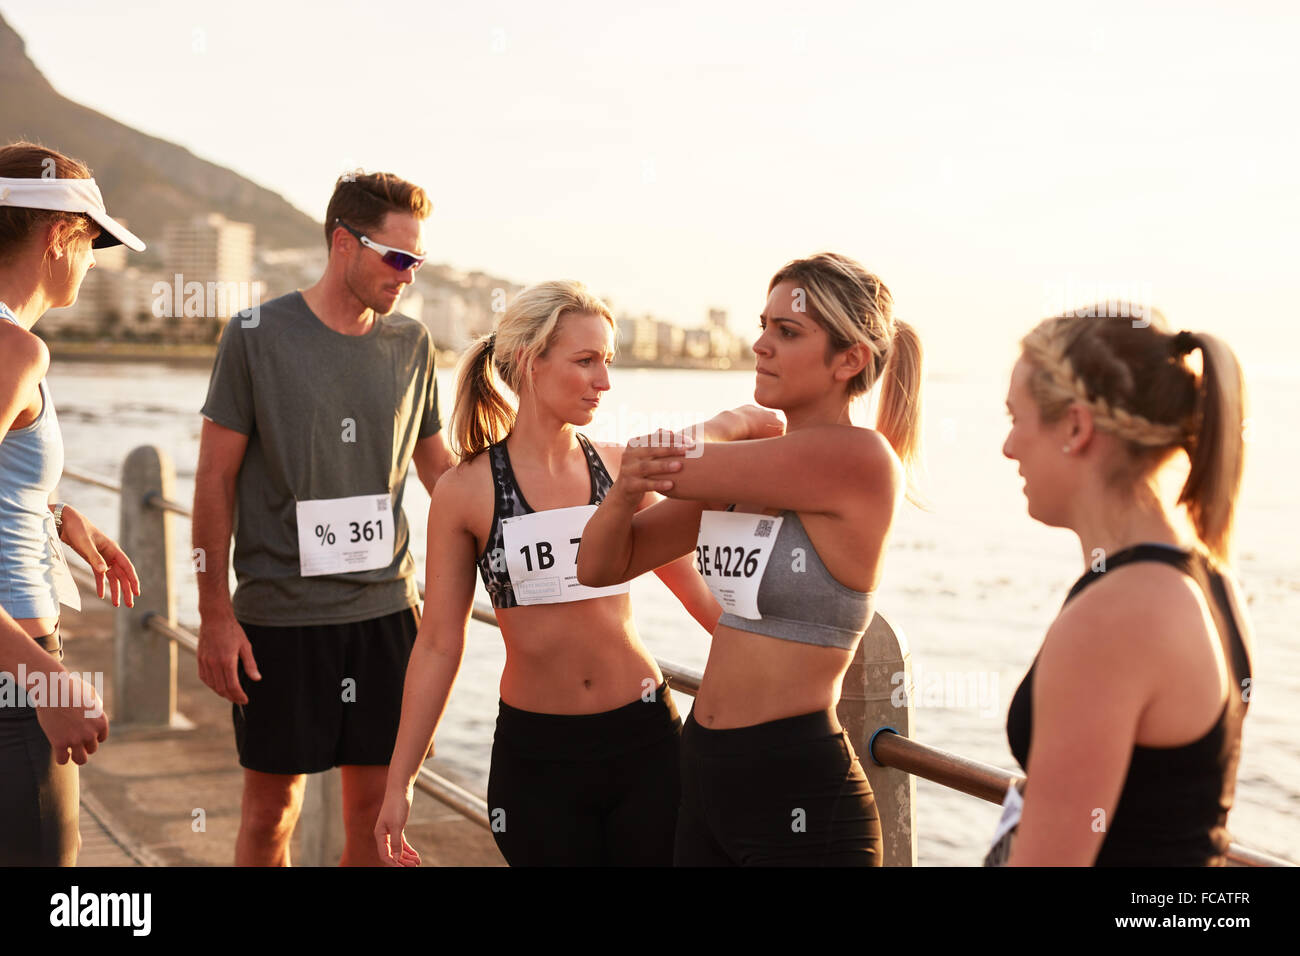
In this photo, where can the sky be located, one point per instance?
(991, 162)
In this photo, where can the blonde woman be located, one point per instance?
(1129, 721)
(585, 758)
(790, 535)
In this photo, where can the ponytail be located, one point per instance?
(481, 415)
(856, 308)
(1216, 447)
(898, 416)
(1137, 383)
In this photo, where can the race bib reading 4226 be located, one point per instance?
(731, 554)
(338, 535)
(542, 556)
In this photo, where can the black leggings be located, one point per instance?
(39, 797)
(785, 793)
(587, 789)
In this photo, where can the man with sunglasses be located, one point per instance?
(318, 403)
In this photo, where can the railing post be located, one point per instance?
(144, 671)
(867, 704)
(320, 827)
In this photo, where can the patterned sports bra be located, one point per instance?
(508, 502)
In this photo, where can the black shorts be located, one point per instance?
(587, 789)
(330, 694)
(39, 797)
(785, 793)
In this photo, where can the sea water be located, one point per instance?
(973, 582)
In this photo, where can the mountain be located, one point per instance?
(147, 181)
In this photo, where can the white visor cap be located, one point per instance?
(69, 195)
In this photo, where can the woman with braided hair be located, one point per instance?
(1128, 723)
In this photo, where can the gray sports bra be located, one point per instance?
(799, 600)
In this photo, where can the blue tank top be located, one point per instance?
(31, 462)
(508, 502)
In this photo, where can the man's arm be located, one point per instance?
(222, 641)
(431, 458)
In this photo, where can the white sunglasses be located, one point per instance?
(399, 259)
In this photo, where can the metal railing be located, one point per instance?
(990, 783)
(146, 638)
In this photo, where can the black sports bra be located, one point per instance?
(508, 502)
(1173, 808)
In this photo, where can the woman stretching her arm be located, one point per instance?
(585, 759)
(768, 775)
(1129, 721)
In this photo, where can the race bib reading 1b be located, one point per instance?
(542, 556)
(731, 554)
(338, 535)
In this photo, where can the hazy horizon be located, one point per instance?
(991, 164)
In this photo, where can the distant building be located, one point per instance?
(286, 269)
(728, 345)
(411, 305)
(638, 338)
(698, 343)
(112, 302)
(671, 340)
(208, 262)
(446, 316)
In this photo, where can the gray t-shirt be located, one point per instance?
(327, 415)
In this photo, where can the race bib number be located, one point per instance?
(339, 535)
(542, 556)
(731, 554)
(65, 588)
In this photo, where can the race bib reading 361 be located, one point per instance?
(731, 554)
(542, 556)
(338, 535)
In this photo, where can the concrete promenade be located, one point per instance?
(141, 791)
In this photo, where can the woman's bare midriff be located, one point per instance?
(583, 657)
(752, 679)
(38, 626)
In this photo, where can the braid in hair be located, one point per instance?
(1048, 347)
